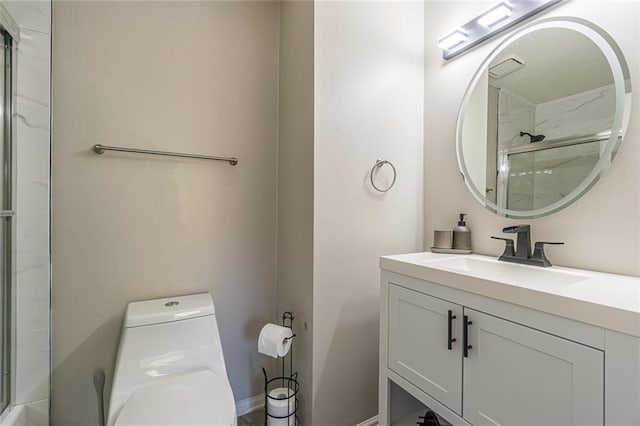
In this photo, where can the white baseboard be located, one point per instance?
(373, 421)
(250, 404)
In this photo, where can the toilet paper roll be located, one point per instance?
(274, 340)
(281, 403)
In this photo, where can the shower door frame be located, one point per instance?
(11, 31)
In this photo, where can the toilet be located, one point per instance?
(170, 368)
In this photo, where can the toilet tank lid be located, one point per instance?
(169, 309)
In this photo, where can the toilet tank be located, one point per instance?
(162, 337)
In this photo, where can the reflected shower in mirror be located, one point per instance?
(542, 118)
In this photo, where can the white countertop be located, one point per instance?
(606, 300)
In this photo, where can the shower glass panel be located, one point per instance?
(540, 178)
(6, 216)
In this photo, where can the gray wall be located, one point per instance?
(350, 92)
(195, 77)
(295, 185)
(368, 105)
(601, 231)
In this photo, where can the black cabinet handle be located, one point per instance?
(465, 336)
(450, 339)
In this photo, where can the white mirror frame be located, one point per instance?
(622, 87)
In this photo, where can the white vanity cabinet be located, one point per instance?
(522, 366)
(510, 372)
(420, 346)
(513, 373)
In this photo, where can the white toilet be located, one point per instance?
(170, 368)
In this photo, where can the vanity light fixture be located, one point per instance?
(452, 39)
(490, 22)
(495, 14)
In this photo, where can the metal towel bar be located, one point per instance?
(100, 149)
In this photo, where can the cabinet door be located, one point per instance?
(515, 375)
(418, 344)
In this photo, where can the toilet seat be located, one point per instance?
(195, 398)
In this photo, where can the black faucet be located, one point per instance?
(521, 253)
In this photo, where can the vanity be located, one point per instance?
(512, 340)
(483, 342)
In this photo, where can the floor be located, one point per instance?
(252, 419)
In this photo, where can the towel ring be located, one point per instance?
(380, 163)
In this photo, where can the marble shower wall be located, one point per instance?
(560, 171)
(515, 114)
(32, 121)
(585, 113)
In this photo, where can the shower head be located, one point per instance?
(534, 138)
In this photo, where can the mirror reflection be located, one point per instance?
(538, 122)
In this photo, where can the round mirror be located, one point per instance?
(543, 118)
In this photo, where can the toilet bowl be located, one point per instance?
(170, 368)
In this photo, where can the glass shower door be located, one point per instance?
(6, 216)
(542, 177)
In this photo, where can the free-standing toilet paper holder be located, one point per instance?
(289, 382)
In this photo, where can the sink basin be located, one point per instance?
(508, 273)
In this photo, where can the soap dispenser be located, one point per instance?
(461, 235)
